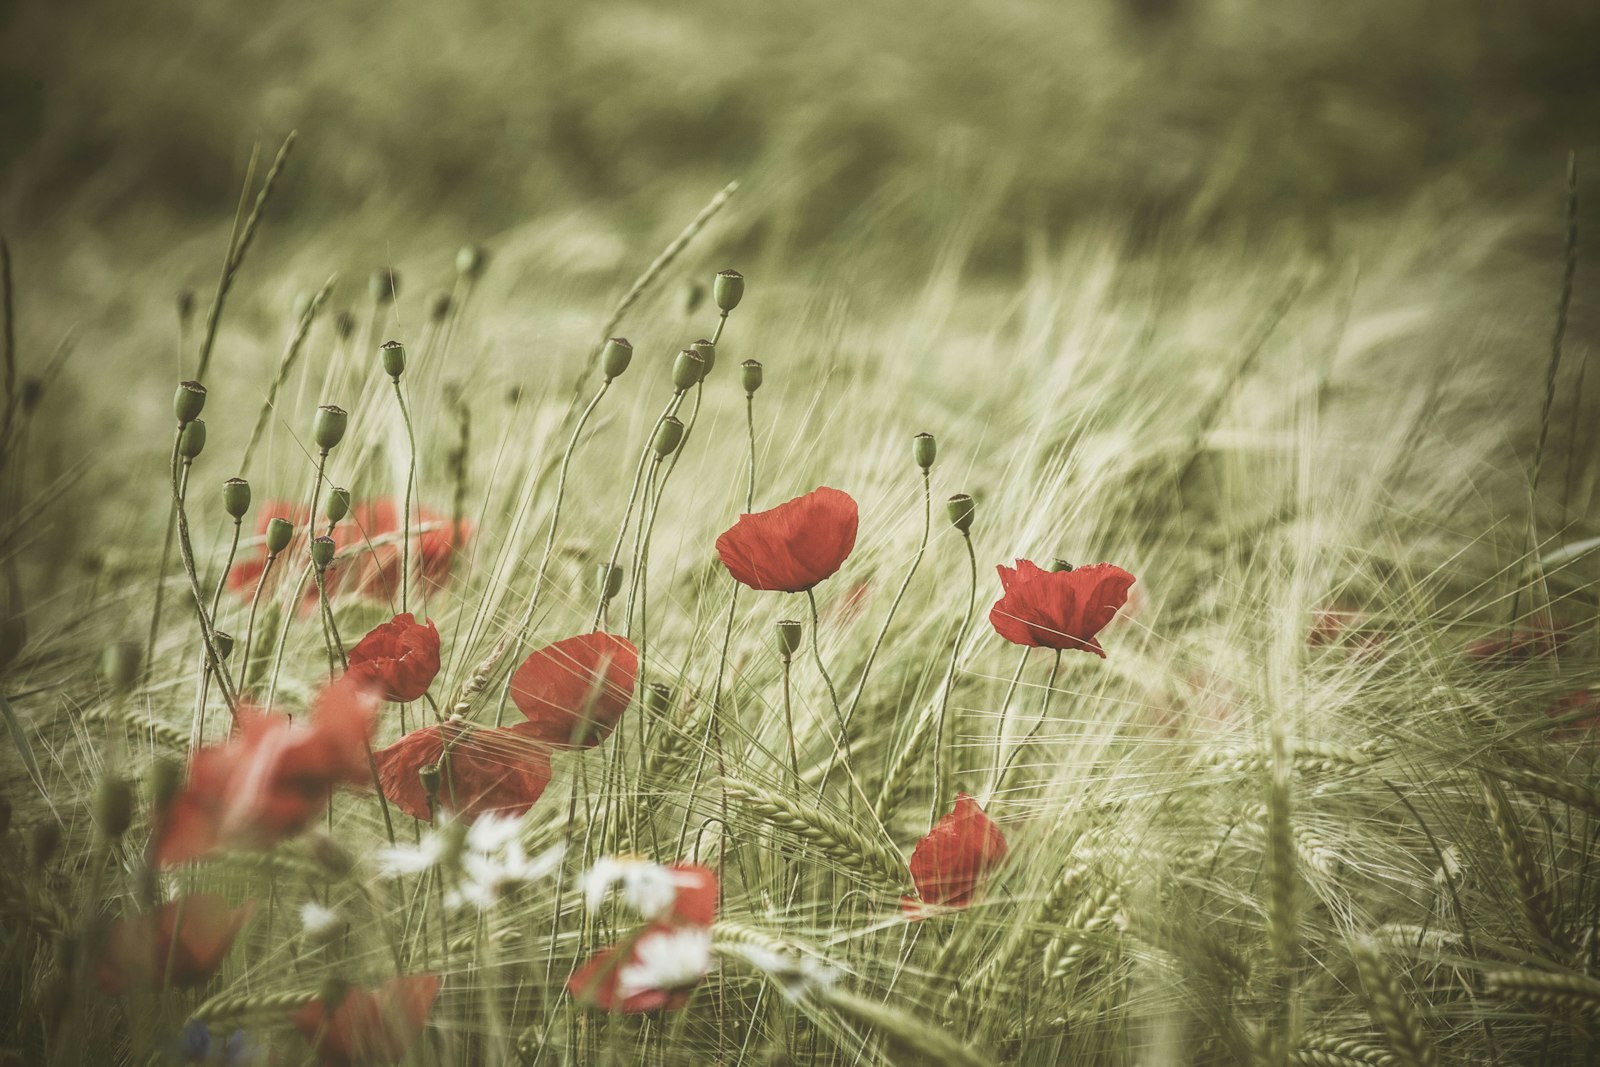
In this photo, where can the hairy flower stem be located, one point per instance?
(1044, 716)
(942, 771)
(180, 481)
(166, 561)
(840, 748)
(405, 515)
(788, 722)
(633, 497)
(250, 629)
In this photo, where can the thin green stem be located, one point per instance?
(633, 496)
(1044, 716)
(405, 516)
(250, 629)
(833, 694)
(905, 583)
(942, 771)
(166, 561)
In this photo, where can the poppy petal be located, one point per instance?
(574, 691)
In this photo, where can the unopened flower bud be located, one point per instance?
(924, 449)
(224, 642)
(162, 780)
(962, 509)
(658, 697)
(120, 664)
(472, 261)
(322, 549)
(687, 369)
(113, 807)
(668, 436)
(707, 351)
(1058, 565)
(750, 376)
(728, 289)
(344, 324)
(616, 357)
(608, 579)
(236, 497)
(338, 505)
(440, 309)
(192, 441)
(384, 286)
(393, 354)
(44, 841)
(790, 632)
(280, 532)
(430, 777)
(189, 401)
(328, 426)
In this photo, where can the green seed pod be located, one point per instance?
(44, 841)
(344, 324)
(687, 369)
(1058, 565)
(962, 509)
(162, 780)
(120, 665)
(431, 778)
(384, 286)
(338, 505)
(750, 376)
(728, 289)
(113, 807)
(393, 354)
(322, 549)
(616, 357)
(472, 261)
(668, 436)
(924, 449)
(192, 441)
(608, 580)
(439, 310)
(328, 426)
(790, 631)
(189, 402)
(224, 642)
(707, 351)
(280, 532)
(236, 498)
(658, 697)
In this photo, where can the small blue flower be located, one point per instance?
(194, 1043)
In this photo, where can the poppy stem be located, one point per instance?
(180, 483)
(788, 722)
(942, 771)
(1005, 709)
(833, 694)
(633, 496)
(1044, 714)
(222, 579)
(166, 561)
(383, 801)
(250, 629)
(405, 515)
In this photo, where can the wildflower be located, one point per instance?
(794, 546)
(680, 892)
(182, 943)
(482, 769)
(1058, 609)
(196, 1045)
(951, 864)
(401, 656)
(369, 1026)
(575, 690)
(798, 977)
(378, 566)
(268, 781)
(654, 970)
(494, 861)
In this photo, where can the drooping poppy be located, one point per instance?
(574, 691)
(272, 777)
(401, 656)
(376, 1026)
(1541, 640)
(182, 943)
(1058, 609)
(792, 547)
(655, 969)
(951, 864)
(486, 769)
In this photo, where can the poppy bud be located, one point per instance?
(687, 369)
(322, 552)
(384, 285)
(658, 697)
(338, 505)
(224, 642)
(393, 354)
(192, 441)
(472, 261)
(441, 307)
(280, 532)
(668, 436)
(236, 498)
(328, 425)
(924, 449)
(728, 289)
(43, 843)
(962, 509)
(790, 632)
(344, 324)
(162, 780)
(113, 807)
(608, 579)
(616, 357)
(1059, 565)
(189, 402)
(430, 777)
(120, 664)
(707, 351)
(185, 302)
(750, 376)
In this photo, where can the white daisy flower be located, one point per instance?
(316, 919)
(666, 959)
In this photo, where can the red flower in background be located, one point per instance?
(1537, 641)
(696, 902)
(503, 771)
(793, 546)
(1058, 609)
(951, 864)
(271, 778)
(1582, 700)
(401, 656)
(369, 1026)
(657, 967)
(574, 691)
(181, 943)
(378, 566)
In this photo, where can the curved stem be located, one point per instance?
(222, 579)
(1005, 710)
(633, 495)
(186, 553)
(250, 629)
(942, 772)
(166, 561)
(840, 750)
(1044, 714)
(405, 516)
(788, 722)
(866, 669)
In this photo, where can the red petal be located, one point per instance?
(950, 864)
(792, 547)
(696, 902)
(377, 1026)
(486, 770)
(401, 656)
(1060, 609)
(574, 691)
(142, 950)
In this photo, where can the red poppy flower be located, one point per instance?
(272, 777)
(181, 943)
(378, 566)
(793, 546)
(696, 902)
(574, 691)
(1058, 609)
(1582, 700)
(1536, 641)
(655, 969)
(401, 656)
(951, 864)
(503, 771)
(369, 1026)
